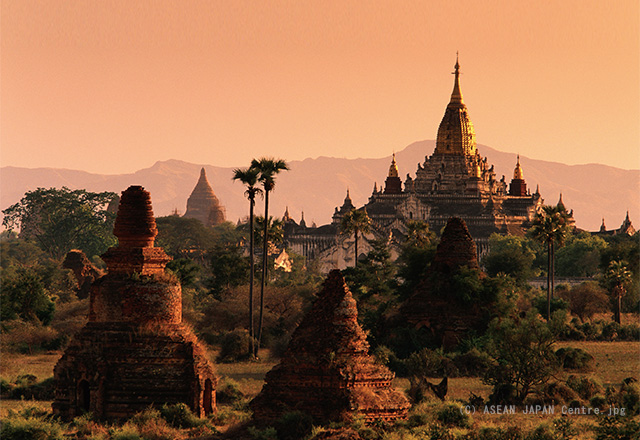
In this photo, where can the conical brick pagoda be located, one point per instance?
(437, 305)
(134, 351)
(326, 370)
(203, 203)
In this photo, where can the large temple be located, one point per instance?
(455, 181)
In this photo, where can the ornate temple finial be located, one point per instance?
(286, 215)
(456, 95)
(517, 173)
(603, 228)
(393, 168)
(375, 187)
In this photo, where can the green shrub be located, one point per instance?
(19, 428)
(598, 401)
(294, 425)
(234, 346)
(473, 363)
(229, 391)
(617, 428)
(509, 433)
(268, 433)
(450, 415)
(542, 432)
(439, 432)
(179, 415)
(418, 419)
(586, 387)
(574, 358)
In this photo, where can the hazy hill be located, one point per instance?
(317, 186)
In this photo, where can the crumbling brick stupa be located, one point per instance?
(435, 305)
(134, 351)
(326, 370)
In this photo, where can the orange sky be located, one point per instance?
(112, 86)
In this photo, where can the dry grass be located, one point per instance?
(613, 361)
(40, 365)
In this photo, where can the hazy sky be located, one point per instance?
(112, 86)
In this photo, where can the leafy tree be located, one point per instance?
(617, 278)
(586, 299)
(416, 255)
(522, 353)
(228, 267)
(59, 220)
(249, 177)
(24, 296)
(580, 256)
(625, 248)
(354, 222)
(373, 284)
(184, 238)
(550, 226)
(268, 168)
(185, 269)
(511, 256)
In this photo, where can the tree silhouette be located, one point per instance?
(550, 226)
(353, 222)
(249, 176)
(267, 168)
(618, 277)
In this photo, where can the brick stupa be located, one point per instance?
(134, 351)
(203, 203)
(326, 370)
(433, 306)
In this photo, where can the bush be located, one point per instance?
(294, 425)
(586, 387)
(20, 428)
(510, 433)
(617, 428)
(473, 363)
(574, 358)
(179, 415)
(234, 346)
(229, 391)
(556, 393)
(450, 415)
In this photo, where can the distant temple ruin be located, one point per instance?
(455, 181)
(134, 351)
(203, 203)
(326, 371)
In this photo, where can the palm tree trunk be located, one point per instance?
(265, 240)
(553, 268)
(251, 271)
(618, 313)
(548, 280)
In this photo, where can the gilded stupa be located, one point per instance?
(454, 181)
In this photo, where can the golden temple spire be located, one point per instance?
(456, 95)
(393, 168)
(517, 173)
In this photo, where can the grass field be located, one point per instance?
(613, 362)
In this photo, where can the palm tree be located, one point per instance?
(550, 226)
(249, 176)
(617, 277)
(267, 168)
(353, 222)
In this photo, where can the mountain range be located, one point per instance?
(317, 186)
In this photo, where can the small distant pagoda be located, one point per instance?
(203, 203)
(326, 371)
(134, 351)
